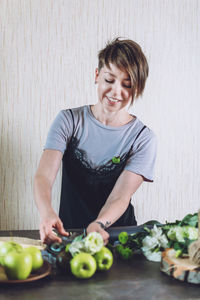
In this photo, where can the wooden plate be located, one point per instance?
(44, 271)
(180, 268)
(25, 242)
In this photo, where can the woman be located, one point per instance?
(106, 152)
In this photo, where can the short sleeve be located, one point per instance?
(143, 156)
(60, 132)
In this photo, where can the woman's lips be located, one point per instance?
(112, 100)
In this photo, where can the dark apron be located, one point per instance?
(86, 189)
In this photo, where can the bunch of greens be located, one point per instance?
(156, 237)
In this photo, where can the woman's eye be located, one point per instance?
(109, 81)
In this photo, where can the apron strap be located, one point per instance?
(140, 132)
(72, 120)
(137, 137)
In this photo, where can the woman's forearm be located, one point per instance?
(42, 195)
(44, 179)
(119, 199)
(112, 211)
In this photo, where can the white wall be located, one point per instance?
(48, 55)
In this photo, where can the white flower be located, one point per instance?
(93, 242)
(156, 232)
(191, 232)
(163, 241)
(153, 256)
(161, 238)
(76, 247)
(152, 243)
(149, 243)
(176, 233)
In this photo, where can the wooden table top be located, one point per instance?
(136, 279)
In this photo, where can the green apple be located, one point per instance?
(18, 265)
(37, 259)
(104, 259)
(7, 247)
(83, 265)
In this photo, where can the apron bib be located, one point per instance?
(85, 189)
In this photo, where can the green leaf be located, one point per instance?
(157, 249)
(147, 229)
(179, 253)
(171, 243)
(153, 222)
(177, 246)
(78, 238)
(191, 220)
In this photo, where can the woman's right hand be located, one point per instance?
(49, 222)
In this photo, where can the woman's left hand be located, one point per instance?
(95, 227)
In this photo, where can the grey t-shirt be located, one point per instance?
(90, 168)
(100, 143)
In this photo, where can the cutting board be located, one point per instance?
(179, 268)
(25, 242)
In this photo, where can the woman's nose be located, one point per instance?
(117, 91)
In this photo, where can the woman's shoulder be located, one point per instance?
(75, 110)
(144, 131)
(69, 113)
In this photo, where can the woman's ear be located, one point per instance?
(96, 75)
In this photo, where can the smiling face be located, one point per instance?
(114, 88)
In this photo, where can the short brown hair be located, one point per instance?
(126, 55)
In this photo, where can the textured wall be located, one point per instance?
(48, 55)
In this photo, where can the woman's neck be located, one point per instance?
(111, 118)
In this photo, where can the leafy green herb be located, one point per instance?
(178, 235)
(124, 252)
(123, 237)
(190, 219)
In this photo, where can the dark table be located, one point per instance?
(136, 279)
